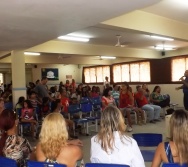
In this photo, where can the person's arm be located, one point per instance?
(103, 102)
(131, 100)
(181, 87)
(152, 98)
(76, 142)
(157, 157)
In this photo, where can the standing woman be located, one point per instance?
(111, 144)
(184, 80)
(176, 150)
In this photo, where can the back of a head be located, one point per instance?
(179, 133)
(111, 121)
(7, 122)
(53, 135)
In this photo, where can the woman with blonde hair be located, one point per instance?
(176, 150)
(53, 146)
(111, 144)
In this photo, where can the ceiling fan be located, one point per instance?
(119, 44)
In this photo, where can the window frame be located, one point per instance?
(96, 83)
(131, 62)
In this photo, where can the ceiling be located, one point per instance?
(35, 25)
(26, 23)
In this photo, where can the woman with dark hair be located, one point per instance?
(11, 145)
(176, 150)
(111, 144)
(107, 98)
(158, 99)
(94, 92)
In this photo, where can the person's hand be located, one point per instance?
(182, 78)
(75, 142)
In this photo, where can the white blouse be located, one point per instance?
(126, 152)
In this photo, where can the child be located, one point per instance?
(27, 115)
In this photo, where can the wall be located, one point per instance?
(63, 71)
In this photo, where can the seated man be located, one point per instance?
(153, 111)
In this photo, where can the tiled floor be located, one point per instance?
(153, 128)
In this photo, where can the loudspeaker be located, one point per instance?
(35, 66)
(163, 53)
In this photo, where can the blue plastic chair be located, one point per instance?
(97, 105)
(73, 109)
(6, 162)
(43, 164)
(104, 165)
(148, 140)
(88, 109)
(174, 165)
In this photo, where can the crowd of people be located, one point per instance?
(110, 145)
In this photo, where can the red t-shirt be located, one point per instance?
(107, 101)
(140, 102)
(65, 103)
(124, 100)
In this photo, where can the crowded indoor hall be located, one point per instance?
(90, 84)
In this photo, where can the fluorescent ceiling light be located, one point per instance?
(32, 53)
(74, 38)
(108, 57)
(162, 38)
(79, 35)
(163, 48)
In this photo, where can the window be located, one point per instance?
(96, 74)
(133, 72)
(179, 65)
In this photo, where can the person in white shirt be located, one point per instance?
(106, 83)
(111, 144)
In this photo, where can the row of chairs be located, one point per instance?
(6, 162)
(88, 110)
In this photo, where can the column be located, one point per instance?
(18, 75)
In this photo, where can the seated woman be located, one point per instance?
(107, 98)
(158, 99)
(11, 145)
(175, 151)
(53, 145)
(111, 144)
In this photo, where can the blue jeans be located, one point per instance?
(153, 111)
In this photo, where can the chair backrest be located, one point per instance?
(86, 108)
(84, 100)
(6, 162)
(43, 164)
(104, 165)
(74, 108)
(96, 101)
(148, 139)
(173, 165)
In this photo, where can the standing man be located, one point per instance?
(41, 89)
(184, 80)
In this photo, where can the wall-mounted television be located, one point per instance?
(50, 73)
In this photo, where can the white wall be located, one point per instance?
(63, 71)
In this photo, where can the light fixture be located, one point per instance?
(162, 38)
(32, 53)
(74, 38)
(160, 47)
(108, 57)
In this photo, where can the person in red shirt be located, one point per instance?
(64, 101)
(126, 102)
(153, 111)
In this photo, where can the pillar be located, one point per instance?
(18, 75)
